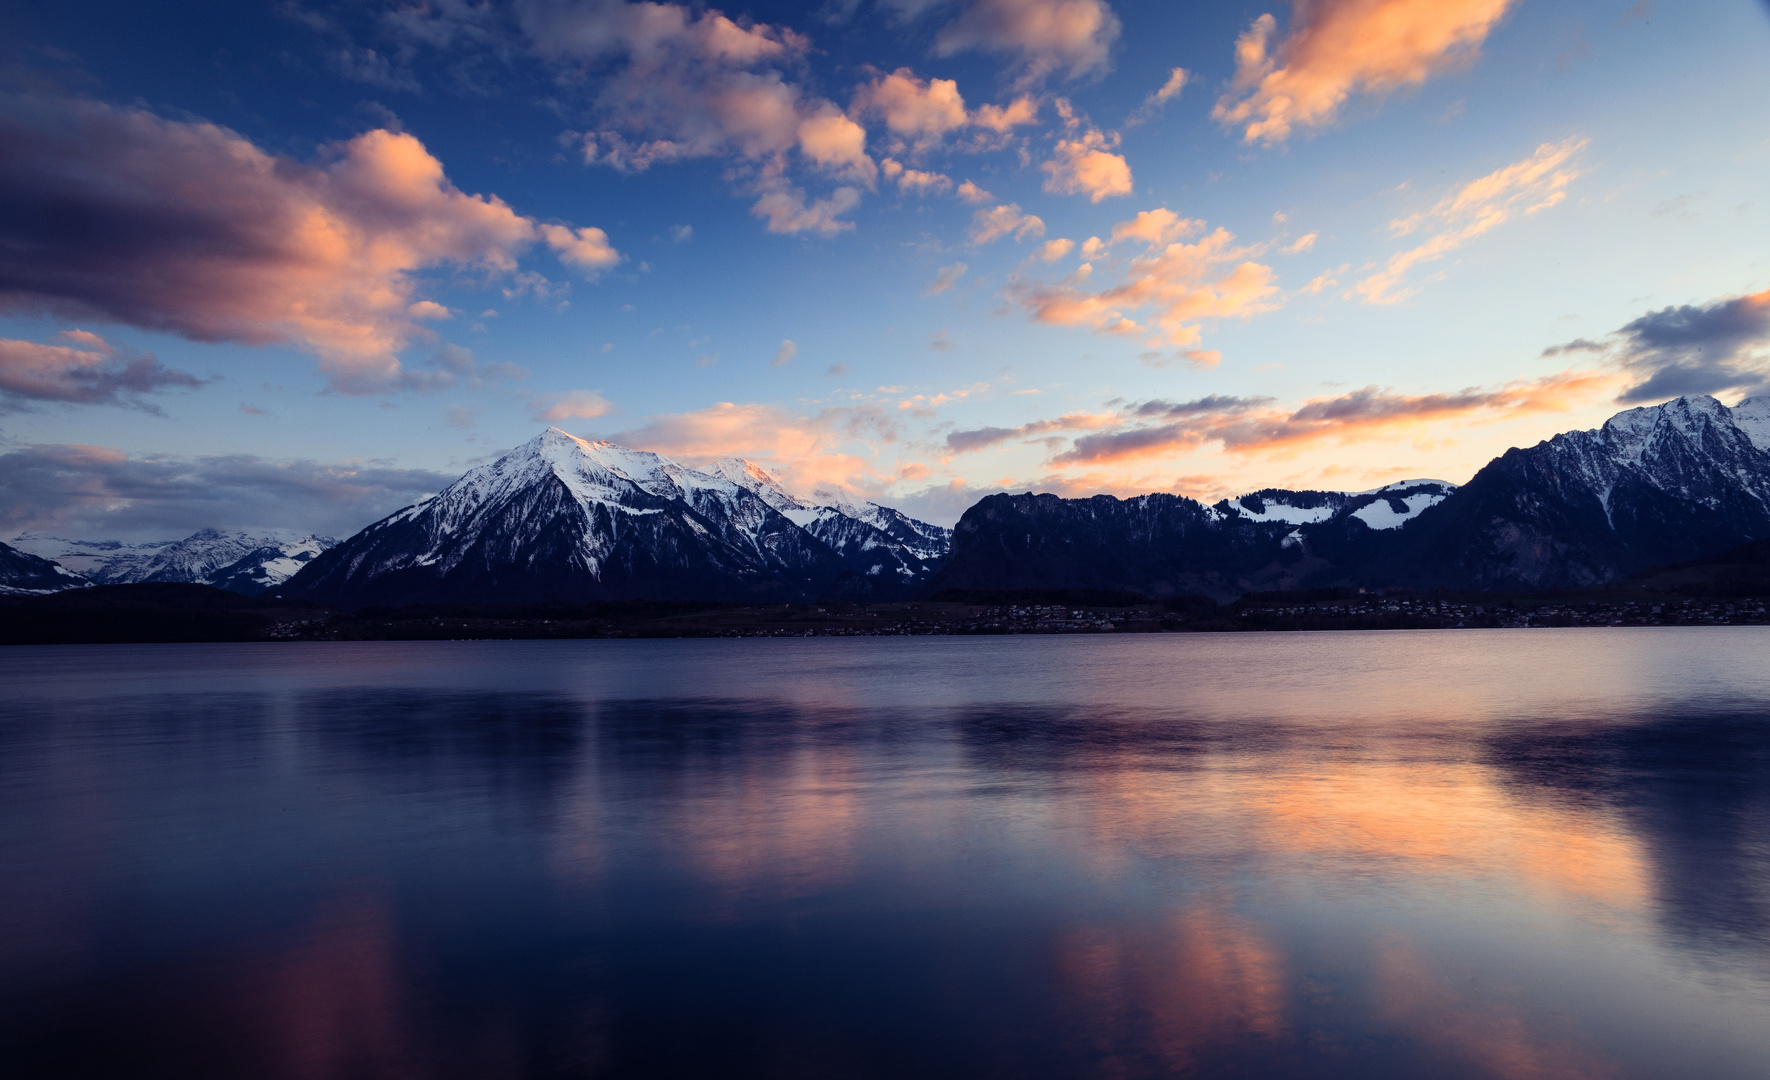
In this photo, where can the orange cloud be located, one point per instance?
(1180, 283)
(1248, 425)
(1086, 165)
(1336, 48)
(211, 238)
(1526, 187)
(1155, 227)
(835, 447)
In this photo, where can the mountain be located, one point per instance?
(1651, 486)
(232, 560)
(269, 565)
(24, 574)
(559, 518)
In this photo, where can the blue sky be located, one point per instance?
(287, 265)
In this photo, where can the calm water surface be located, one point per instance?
(1447, 854)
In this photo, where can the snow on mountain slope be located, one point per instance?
(106, 562)
(564, 518)
(1382, 513)
(207, 557)
(1752, 416)
(267, 567)
(25, 574)
(1388, 507)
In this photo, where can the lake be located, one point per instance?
(1527, 853)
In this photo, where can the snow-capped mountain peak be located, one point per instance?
(561, 517)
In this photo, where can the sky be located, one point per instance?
(292, 264)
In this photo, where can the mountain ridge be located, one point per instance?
(566, 518)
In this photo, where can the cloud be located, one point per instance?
(945, 279)
(587, 249)
(99, 492)
(86, 371)
(681, 234)
(786, 209)
(1180, 283)
(988, 226)
(1303, 243)
(1711, 348)
(1245, 425)
(676, 84)
(914, 181)
(1155, 228)
(1526, 187)
(1336, 48)
(1073, 37)
(571, 405)
(784, 355)
(1086, 165)
(920, 111)
(1152, 105)
(835, 446)
(964, 442)
(971, 193)
(1053, 250)
(1002, 119)
(188, 228)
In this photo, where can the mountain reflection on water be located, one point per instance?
(1460, 854)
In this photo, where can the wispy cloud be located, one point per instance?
(1152, 105)
(945, 279)
(1246, 425)
(1526, 187)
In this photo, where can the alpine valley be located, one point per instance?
(563, 519)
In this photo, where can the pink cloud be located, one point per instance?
(198, 232)
(85, 371)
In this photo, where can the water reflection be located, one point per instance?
(518, 868)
